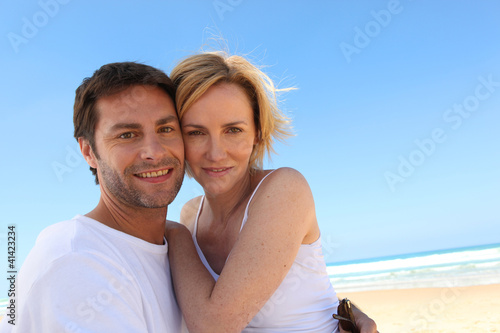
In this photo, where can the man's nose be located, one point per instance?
(152, 148)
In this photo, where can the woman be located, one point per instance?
(255, 257)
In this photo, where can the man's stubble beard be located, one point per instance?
(130, 195)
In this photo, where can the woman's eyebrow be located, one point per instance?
(233, 123)
(193, 125)
(239, 122)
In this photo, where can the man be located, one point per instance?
(108, 271)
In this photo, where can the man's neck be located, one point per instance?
(145, 223)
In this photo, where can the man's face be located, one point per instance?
(140, 148)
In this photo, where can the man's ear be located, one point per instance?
(87, 152)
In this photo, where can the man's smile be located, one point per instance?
(153, 174)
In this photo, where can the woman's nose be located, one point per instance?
(216, 150)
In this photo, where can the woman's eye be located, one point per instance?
(128, 135)
(234, 130)
(195, 133)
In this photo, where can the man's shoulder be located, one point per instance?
(55, 238)
(76, 238)
(61, 237)
(73, 251)
(84, 241)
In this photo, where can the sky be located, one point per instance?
(395, 115)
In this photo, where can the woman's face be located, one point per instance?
(219, 136)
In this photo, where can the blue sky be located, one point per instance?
(396, 113)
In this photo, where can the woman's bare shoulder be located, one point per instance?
(284, 176)
(281, 188)
(282, 197)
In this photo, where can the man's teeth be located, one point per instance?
(153, 174)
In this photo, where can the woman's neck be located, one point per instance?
(221, 207)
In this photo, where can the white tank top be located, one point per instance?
(304, 301)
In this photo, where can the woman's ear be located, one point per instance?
(87, 152)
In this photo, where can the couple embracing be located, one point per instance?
(247, 254)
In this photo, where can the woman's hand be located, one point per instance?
(364, 323)
(174, 229)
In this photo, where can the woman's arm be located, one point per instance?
(281, 216)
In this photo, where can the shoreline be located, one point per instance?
(443, 309)
(438, 310)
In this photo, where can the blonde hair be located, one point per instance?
(196, 74)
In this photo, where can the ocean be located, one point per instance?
(476, 265)
(460, 267)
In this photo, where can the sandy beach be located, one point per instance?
(436, 310)
(451, 309)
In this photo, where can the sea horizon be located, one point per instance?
(454, 267)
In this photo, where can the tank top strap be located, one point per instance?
(195, 229)
(245, 216)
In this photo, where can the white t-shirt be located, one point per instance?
(82, 276)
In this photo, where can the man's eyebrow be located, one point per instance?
(166, 120)
(162, 121)
(121, 126)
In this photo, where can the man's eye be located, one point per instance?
(128, 135)
(166, 129)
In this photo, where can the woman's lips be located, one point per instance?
(217, 172)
